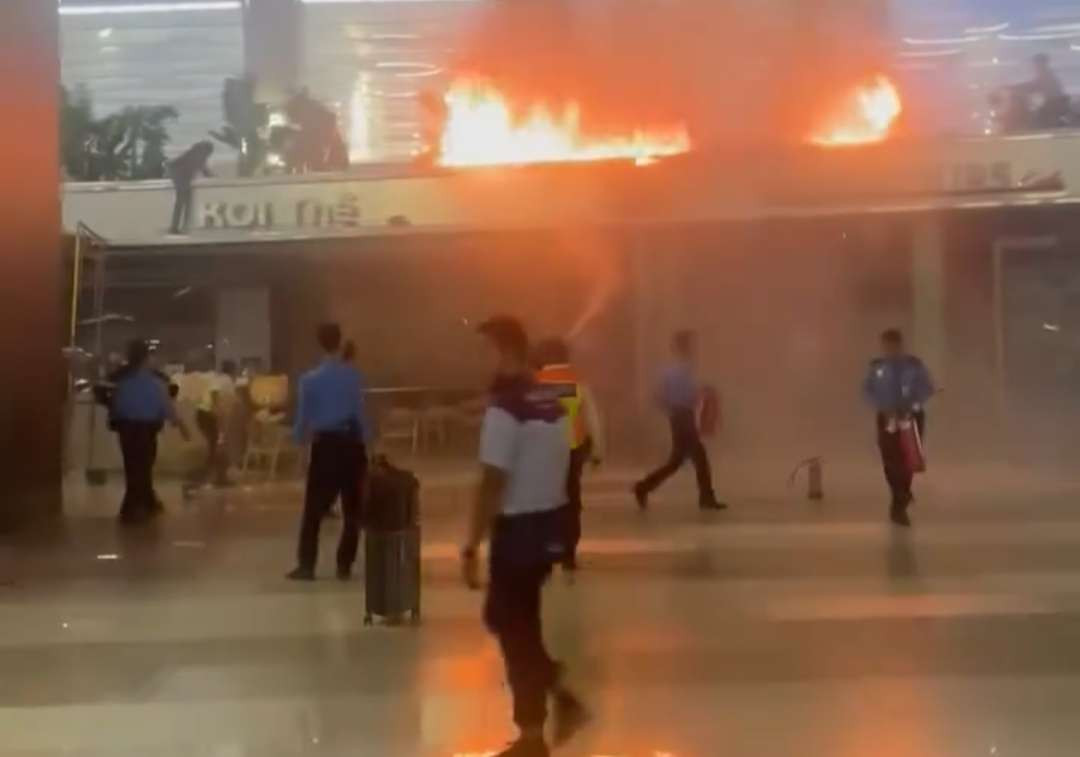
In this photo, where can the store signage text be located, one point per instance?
(305, 213)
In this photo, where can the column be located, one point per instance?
(243, 327)
(273, 46)
(928, 292)
(31, 314)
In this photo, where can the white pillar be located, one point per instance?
(929, 339)
(243, 326)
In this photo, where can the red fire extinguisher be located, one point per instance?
(911, 445)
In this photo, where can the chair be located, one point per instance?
(401, 424)
(435, 422)
(267, 436)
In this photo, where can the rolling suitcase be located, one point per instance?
(392, 545)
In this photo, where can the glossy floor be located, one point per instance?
(778, 629)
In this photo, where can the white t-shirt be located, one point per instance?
(220, 384)
(525, 435)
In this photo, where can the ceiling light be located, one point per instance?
(175, 7)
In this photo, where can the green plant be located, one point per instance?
(124, 146)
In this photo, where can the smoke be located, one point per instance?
(732, 71)
(598, 258)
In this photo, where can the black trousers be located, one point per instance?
(138, 445)
(181, 216)
(897, 474)
(685, 445)
(337, 467)
(579, 458)
(217, 464)
(523, 550)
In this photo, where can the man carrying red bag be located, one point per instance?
(898, 385)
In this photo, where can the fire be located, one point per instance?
(483, 129)
(864, 116)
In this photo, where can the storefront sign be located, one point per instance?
(305, 213)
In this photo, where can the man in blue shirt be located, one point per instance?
(138, 410)
(330, 414)
(898, 386)
(679, 394)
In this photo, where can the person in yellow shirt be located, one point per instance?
(586, 430)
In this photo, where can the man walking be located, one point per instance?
(898, 386)
(139, 408)
(211, 417)
(585, 429)
(330, 413)
(524, 457)
(679, 396)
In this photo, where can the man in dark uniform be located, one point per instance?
(183, 171)
(898, 386)
(679, 395)
(524, 457)
(330, 413)
(139, 407)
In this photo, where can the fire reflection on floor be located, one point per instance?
(493, 754)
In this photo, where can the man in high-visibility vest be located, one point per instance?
(586, 432)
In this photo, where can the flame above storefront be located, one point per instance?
(864, 115)
(485, 127)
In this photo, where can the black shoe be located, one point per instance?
(642, 497)
(569, 714)
(301, 574)
(712, 503)
(526, 748)
(900, 517)
(344, 573)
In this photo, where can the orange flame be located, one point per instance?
(483, 129)
(865, 116)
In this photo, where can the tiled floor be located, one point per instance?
(778, 629)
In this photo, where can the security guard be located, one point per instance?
(898, 386)
(330, 413)
(139, 407)
(586, 434)
(679, 395)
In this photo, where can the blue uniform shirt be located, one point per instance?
(897, 384)
(331, 399)
(142, 397)
(678, 389)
